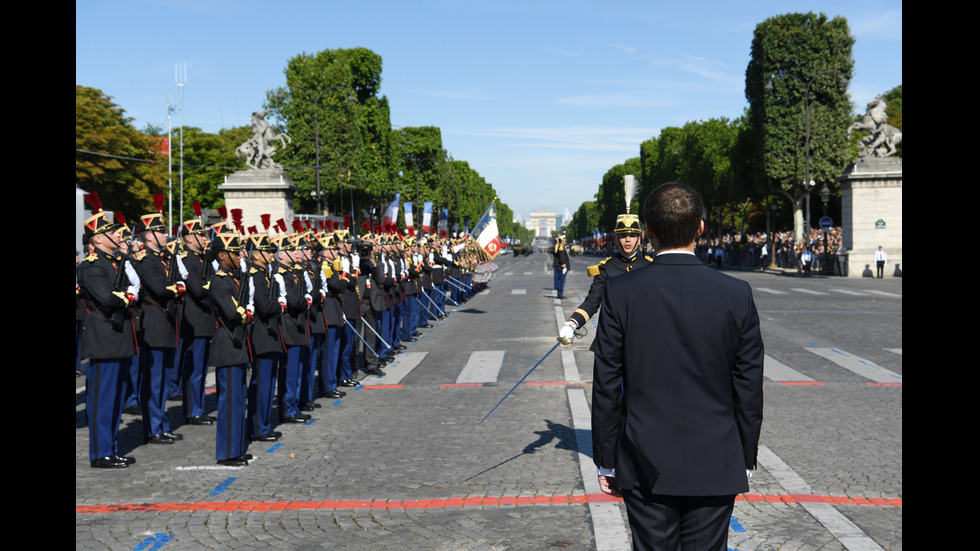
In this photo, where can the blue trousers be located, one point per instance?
(559, 282)
(230, 439)
(260, 392)
(331, 356)
(289, 381)
(313, 363)
(103, 404)
(156, 370)
(347, 342)
(194, 354)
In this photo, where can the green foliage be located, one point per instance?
(331, 107)
(208, 158)
(804, 57)
(123, 182)
(893, 98)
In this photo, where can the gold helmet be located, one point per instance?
(629, 223)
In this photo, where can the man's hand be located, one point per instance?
(567, 332)
(608, 486)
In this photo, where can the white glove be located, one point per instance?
(134, 279)
(345, 264)
(181, 268)
(564, 271)
(567, 332)
(355, 260)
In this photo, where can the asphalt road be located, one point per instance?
(400, 463)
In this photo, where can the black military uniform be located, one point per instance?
(196, 327)
(612, 266)
(229, 351)
(157, 328)
(266, 306)
(108, 339)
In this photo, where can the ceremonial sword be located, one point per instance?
(519, 382)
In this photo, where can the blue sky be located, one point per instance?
(541, 97)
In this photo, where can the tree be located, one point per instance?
(893, 98)
(334, 93)
(797, 97)
(113, 158)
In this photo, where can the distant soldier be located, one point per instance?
(108, 338)
(627, 257)
(229, 349)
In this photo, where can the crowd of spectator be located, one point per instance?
(761, 251)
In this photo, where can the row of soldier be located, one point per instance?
(304, 311)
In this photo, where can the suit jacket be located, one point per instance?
(677, 389)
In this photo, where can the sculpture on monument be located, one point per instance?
(257, 152)
(882, 137)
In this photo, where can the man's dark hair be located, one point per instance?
(673, 213)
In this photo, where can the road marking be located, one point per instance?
(483, 366)
(885, 293)
(518, 292)
(771, 291)
(845, 531)
(444, 502)
(849, 292)
(895, 350)
(774, 370)
(607, 517)
(397, 370)
(528, 273)
(858, 365)
(809, 291)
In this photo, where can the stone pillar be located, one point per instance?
(871, 193)
(259, 192)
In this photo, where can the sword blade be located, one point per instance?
(519, 383)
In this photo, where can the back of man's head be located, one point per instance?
(673, 214)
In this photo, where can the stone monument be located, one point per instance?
(262, 188)
(871, 193)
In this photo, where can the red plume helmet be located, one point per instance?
(158, 201)
(93, 199)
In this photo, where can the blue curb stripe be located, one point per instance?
(273, 448)
(155, 542)
(222, 487)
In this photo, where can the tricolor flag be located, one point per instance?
(444, 223)
(409, 221)
(391, 212)
(426, 216)
(485, 232)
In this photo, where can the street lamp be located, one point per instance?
(808, 184)
(316, 122)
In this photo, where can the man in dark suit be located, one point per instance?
(677, 395)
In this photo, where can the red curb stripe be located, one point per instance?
(884, 384)
(372, 387)
(443, 503)
(801, 383)
(451, 385)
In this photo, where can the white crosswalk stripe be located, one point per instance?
(483, 366)
(858, 365)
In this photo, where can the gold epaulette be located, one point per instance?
(140, 255)
(91, 258)
(327, 269)
(594, 270)
(648, 257)
(254, 270)
(184, 254)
